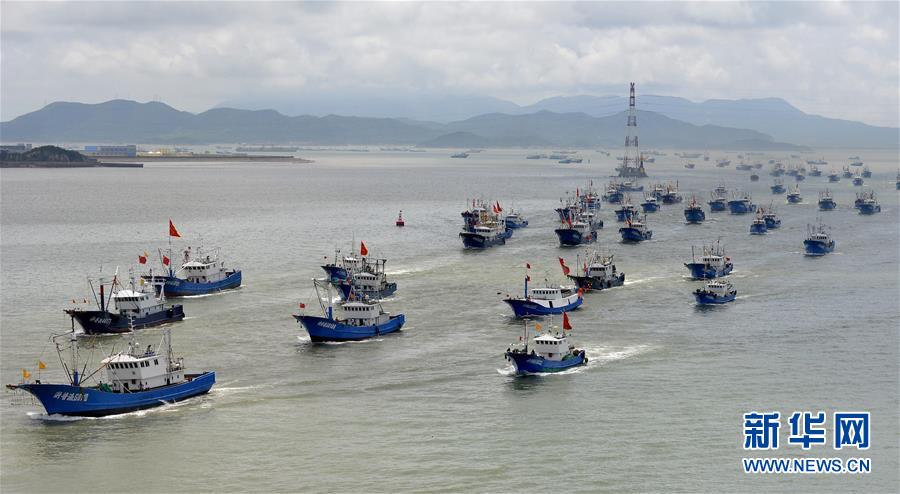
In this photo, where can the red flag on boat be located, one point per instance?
(362, 248)
(499, 209)
(142, 258)
(527, 265)
(172, 231)
(565, 268)
(566, 325)
(302, 306)
(165, 260)
(580, 292)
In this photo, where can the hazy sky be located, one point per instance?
(831, 58)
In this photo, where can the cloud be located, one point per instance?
(822, 57)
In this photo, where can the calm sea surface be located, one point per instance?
(434, 409)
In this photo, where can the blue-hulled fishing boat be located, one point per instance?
(650, 204)
(635, 230)
(778, 186)
(758, 226)
(135, 380)
(847, 173)
(596, 272)
(626, 210)
(715, 292)
(614, 194)
(580, 228)
(826, 201)
(367, 278)
(866, 172)
(718, 201)
(869, 204)
(671, 195)
(814, 171)
(741, 203)
(135, 306)
(693, 214)
(354, 319)
(712, 263)
(771, 218)
(545, 300)
(515, 220)
(794, 196)
(201, 273)
(549, 352)
(818, 242)
(834, 176)
(777, 170)
(858, 180)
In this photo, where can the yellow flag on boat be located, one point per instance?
(537, 327)
(41, 365)
(25, 374)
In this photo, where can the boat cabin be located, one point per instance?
(135, 303)
(363, 314)
(128, 373)
(719, 288)
(203, 271)
(602, 271)
(551, 347)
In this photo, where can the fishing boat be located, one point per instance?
(690, 166)
(578, 229)
(460, 155)
(826, 201)
(366, 278)
(741, 203)
(799, 177)
(771, 218)
(515, 220)
(545, 300)
(135, 380)
(482, 228)
(715, 292)
(550, 352)
(744, 166)
(778, 186)
(694, 214)
(856, 162)
(201, 273)
(754, 177)
(597, 272)
(629, 186)
(712, 263)
(134, 306)
(626, 210)
(869, 205)
(818, 242)
(857, 180)
(722, 163)
(658, 191)
(650, 204)
(820, 161)
(847, 173)
(814, 171)
(635, 230)
(588, 198)
(353, 319)
(614, 194)
(794, 196)
(866, 172)
(400, 221)
(671, 195)
(758, 225)
(535, 156)
(834, 176)
(718, 201)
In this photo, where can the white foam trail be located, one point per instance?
(643, 280)
(213, 294)
(305, 339)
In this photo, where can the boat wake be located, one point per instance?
(306, 340)
(166, 407)
(642, 280)
(213, 294)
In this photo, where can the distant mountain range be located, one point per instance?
(122, 121)
(772, 116)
